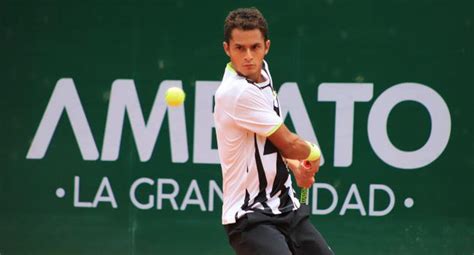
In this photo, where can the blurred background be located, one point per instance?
(62, 193)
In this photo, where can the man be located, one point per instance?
(260, 212)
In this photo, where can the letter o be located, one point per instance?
(440, 125)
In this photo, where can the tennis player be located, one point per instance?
(260, 213)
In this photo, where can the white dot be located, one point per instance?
(60, 192)
(409, 202)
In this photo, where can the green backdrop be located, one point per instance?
(94, 43)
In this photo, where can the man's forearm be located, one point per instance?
(292, 146)
(296, 148)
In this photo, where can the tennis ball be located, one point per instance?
(174, 96)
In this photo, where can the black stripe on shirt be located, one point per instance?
(281, 177)
(245, 206)
(262, 180)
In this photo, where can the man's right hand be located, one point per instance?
(304, 176)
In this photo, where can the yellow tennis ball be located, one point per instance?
(174, 96)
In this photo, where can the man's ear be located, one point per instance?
(226, 48)
(267, 46)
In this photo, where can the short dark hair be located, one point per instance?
(245, 19)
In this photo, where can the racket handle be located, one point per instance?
(304, 196)
(304, 191)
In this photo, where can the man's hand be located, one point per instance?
(304, 176)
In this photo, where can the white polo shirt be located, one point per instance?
(255, 177)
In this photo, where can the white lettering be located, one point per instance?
(123, 97)
(316, 194)
(133, 189)
(64, 98)
(100, 197)
(77, 202)
(213, 189)
(204, 123)
(344, 95)
(440, 125)
(193, 188)
(170, 196)
(391, 196)
(353, 191)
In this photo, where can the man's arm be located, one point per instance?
(290, 145)
(294, 150)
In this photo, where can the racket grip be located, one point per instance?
(304, 191)
(304, 196)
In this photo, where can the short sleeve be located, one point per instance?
(254, 112)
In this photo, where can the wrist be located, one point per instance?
(315, 152)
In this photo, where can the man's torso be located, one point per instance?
(255, 177)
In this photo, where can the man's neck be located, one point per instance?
(258, 78)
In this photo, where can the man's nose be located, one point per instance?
(248, 55)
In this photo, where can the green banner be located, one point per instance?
(94, 162)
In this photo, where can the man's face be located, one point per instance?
(246, 49)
